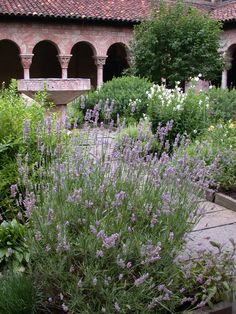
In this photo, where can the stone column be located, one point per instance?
(64, 61)
(100, 61)
(224, 79)
(26, 60)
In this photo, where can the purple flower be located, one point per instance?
(99, 253)
(13, 190)
(38, 236)
(75, 196)
(171, 236)
(93, 229)
(150, 252)
(109, 242)
(139, 281)
(26, 131)
(50, 215)
(117, 307)
(29, 204)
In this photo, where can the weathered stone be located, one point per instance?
(226, 201)
(60, 91)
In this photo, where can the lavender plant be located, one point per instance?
(106, 226)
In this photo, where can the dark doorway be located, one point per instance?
(11, 67)
(116, 61)
(45, 63)
(82, 63)
(231, 79)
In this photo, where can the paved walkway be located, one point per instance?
(218, 224)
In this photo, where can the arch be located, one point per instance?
(116, 61)
(82, 63)
(11, 67)
(231, 57)
(45, 63)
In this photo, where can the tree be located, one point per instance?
(176, 43)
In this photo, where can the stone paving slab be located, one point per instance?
(216, 218)
(211, 207)
(217, 224)
(221, 234)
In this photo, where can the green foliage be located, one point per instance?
(125, 96)
(18, 296)
(222, 104)
(211, 278)
(188, 111)
(177, 43)
(138, 133)
(218, 142)
(14, 113)
(13, 250)
(75, 113)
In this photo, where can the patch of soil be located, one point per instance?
(229, 192)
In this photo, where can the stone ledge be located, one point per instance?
(225, 201)
(60, 91)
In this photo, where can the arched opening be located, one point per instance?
(11, 67)
(116, 61)
(82, 63)
(45, 63)
(231, 79)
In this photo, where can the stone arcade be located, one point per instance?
(71, 46)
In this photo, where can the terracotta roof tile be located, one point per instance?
(225, 11)
(123, 10)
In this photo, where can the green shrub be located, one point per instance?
(218, 142)
(188, 111)
(18, 122)
(222, 104)
(75, 114)
(125, 96)
(18, 295)
(13, 250)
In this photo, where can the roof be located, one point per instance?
(104, 10)
(117, 10)
(225, 12)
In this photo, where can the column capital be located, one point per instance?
(64, 60)
(26, 59)
(100, 60)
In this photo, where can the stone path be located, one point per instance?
(218, 224)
